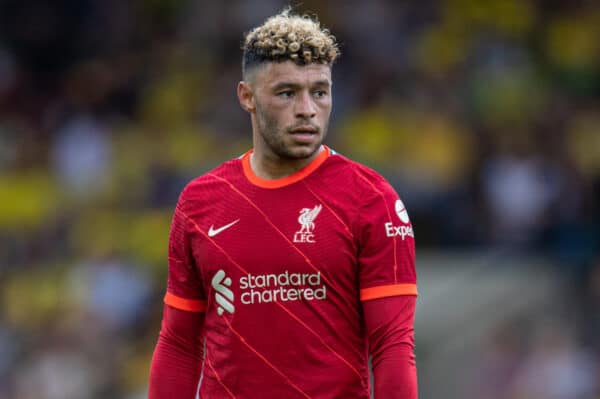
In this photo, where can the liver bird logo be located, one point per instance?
(307, 221)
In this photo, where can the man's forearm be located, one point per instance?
(177, 359)
(396, 374)
(389, 323)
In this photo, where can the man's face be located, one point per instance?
(292, 108)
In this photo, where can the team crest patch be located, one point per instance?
(307, 222)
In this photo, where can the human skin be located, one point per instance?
(289, 107)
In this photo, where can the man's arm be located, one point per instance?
(390, 330)
(177, 359)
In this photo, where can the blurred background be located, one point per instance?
(485, 116)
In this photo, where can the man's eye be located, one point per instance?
(286, 94)
(320, 93)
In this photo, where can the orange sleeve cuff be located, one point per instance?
(383, 291)
(191, 305)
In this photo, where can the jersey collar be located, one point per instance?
(284, 181)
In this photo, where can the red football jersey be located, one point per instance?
(280, 267)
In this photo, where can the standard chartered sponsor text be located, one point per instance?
(283, 287)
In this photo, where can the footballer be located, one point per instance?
(291, 265)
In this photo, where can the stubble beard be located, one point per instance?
(274, 137)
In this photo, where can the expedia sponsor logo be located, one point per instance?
(398, 231)
(404, 230)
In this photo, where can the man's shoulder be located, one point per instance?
(205, 183)
(355, 173)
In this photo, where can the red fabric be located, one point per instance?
(282, 270)
(389, 324)
(177, 359)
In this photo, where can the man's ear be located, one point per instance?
(246, 96)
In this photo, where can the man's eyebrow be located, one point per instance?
(292, 85)
(286, 85)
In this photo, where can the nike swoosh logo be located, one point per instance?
(213, 232)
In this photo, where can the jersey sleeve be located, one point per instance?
(389, 324)
(386, 242)
(184, 286)
(177, 359)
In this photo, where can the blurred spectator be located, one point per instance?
(496, 365)
(82, 155)
(519, 189)
(58, 373)
(8, 71)
(556, 368)
(112, 292)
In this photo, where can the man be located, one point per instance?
(289, 266)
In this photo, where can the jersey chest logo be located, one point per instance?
(307, 225)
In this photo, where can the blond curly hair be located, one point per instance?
(286, 36)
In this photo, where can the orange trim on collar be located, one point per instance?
(284, 181)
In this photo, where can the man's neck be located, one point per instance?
(270, 168)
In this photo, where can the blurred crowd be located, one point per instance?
(485, 116)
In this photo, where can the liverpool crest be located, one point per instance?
(307, 222)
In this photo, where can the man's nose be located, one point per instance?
(305, 106)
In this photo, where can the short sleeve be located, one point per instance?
(387, 245)
(184, 286)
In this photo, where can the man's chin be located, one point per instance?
(302, 151)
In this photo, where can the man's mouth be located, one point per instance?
(305, 134)
(305, 129)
